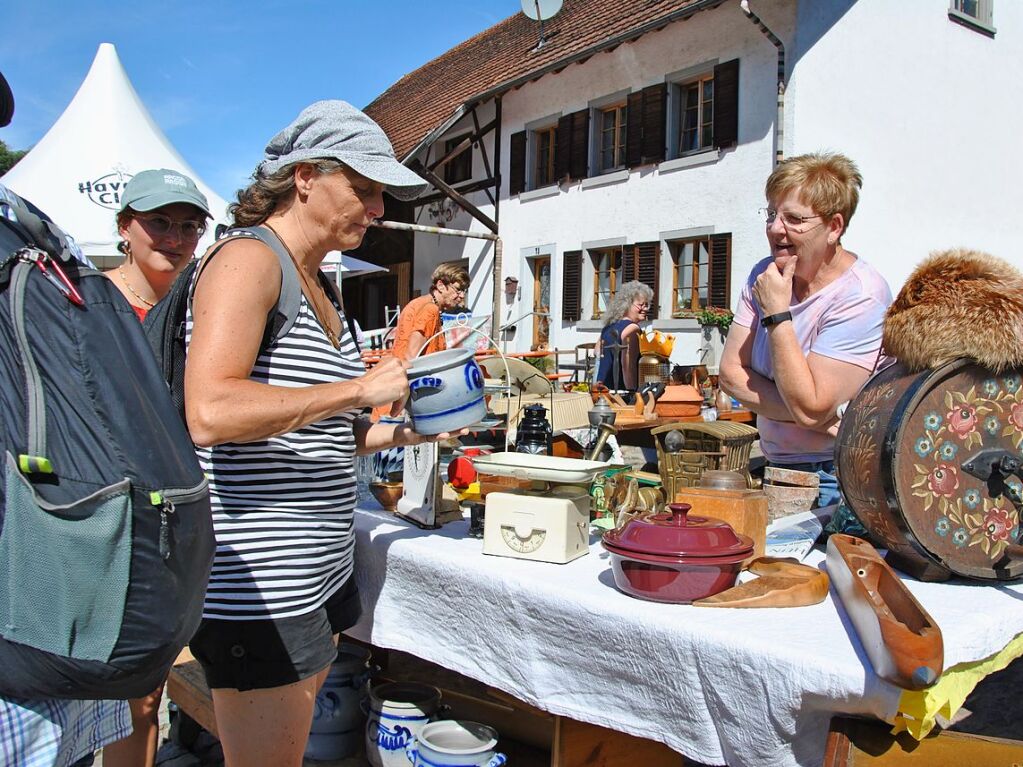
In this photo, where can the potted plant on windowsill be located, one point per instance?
(714, 324)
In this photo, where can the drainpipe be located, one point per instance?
(779, 128)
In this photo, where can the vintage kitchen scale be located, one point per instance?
(550, 521)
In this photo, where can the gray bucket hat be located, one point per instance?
(152, 189)
(336, 130)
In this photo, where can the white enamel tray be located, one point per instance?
(542, 468)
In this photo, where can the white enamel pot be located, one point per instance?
(445, 391)
(454, 743)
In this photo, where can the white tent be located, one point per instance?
(104, 137)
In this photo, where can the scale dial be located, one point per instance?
(418, 460)
(524, 544)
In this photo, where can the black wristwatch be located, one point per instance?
(774, 319)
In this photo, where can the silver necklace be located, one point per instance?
(124, 279)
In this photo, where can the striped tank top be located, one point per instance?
(283, 507)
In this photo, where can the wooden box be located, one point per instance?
(679, 400)
(744, 510)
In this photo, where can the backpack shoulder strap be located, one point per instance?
(283, 315)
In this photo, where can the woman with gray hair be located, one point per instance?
(278, 423)
(618, 347)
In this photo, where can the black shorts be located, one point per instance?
(260, 654)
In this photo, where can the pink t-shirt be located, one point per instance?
(843, 321)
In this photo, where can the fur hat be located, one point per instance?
(958, 303)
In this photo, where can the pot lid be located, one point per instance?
(680, 535)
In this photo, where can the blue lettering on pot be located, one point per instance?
(473, 377)
(425, 386)
(393, 740)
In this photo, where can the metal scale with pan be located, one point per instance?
(547, 523)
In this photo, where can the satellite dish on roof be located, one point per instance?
(541, 10)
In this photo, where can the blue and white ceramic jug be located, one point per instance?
(397, 713)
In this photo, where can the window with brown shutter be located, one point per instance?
(726, 103)
(607, 267)
(517, 162)
(641, 262)
(572, 146)
(572, 286)
(705, 111)
(645, 139)
(544, 142)
(611, 137)
(701, 272)
(720, 270)
(648, 257)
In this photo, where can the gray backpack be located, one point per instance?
(106, 537)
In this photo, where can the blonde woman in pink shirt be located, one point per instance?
(807, 330)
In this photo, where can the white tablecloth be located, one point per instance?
(742, 687)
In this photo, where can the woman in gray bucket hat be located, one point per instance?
(277, 428)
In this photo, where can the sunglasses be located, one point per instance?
(160, 226)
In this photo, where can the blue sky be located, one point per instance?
(221, 78)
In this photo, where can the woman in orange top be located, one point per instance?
(420, 319)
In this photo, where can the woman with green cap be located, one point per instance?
(163, 214)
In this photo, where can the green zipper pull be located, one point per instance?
(34, 464)
(166, 507)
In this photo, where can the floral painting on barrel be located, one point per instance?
(965, 515)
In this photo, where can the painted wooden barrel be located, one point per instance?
(930, 463)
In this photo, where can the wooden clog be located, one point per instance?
(903, 642)
(782, 583)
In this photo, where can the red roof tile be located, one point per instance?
(504, 56)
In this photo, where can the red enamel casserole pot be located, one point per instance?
(676, 557)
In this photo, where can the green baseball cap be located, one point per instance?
(152, 189)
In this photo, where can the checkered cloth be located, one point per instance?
(57, 733)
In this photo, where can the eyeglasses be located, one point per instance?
(642, 306)
(788, 220)
(160, 226)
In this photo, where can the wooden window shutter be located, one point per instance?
(648, 261)
(517, 159)
(719, 289)
(579, 157)
(655, 115)
(726, 103)
(634, 131)
(572, 286)
(562, 147)
(628, 267)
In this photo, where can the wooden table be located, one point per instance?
(627, 423)
(755, 685)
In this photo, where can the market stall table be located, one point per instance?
(742, 687)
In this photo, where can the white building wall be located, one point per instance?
(722, 195)
(930, 111)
